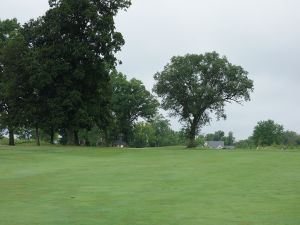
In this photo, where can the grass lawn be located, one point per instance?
(171, 186)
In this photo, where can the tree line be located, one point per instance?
(270, 133)
(58, 76)
(55, 70)
(266, 133)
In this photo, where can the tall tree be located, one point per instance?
(75, 44)
(12, 53)
(44, 109)
(195, 86)
(143, 135)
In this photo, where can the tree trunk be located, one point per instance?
(106, 142)
(192, 143)
(192, 135)
(11, 137)
(70, 136)
(52, 136)
(76, 138)
(37, 136)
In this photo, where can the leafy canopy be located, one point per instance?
(194, 86)
(12, 52)
(267, 133)
(74, 45)
(130, 101)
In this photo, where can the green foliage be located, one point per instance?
(220, 136)
(194, 86)
(164, 135)
(291, 138)
(43, 135)
(155, 133)
(143, 135)
(245, 144)
(217, 136)
(8, 29)
(267, 133)
(130, 101)
(200, 140)
(229, 140)
(74, 45)
(182, 137)
(54, 71)
(91, 137)
(13, 53)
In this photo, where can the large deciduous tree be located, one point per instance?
(74, 44)
(195, 86)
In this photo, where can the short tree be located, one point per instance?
(291, 138)
(143, 135)
(164, 135)
(267, 133)
(195, 86)
(247, 143)
(229, 140)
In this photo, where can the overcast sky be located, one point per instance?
(263, 36)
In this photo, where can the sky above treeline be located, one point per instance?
(260, 35)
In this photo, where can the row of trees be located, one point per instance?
(55, 70)
(229, 140)
(57, 75)
(268, 133)
(156, 133)
(265, 133)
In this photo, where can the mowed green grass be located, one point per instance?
(171, 186)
